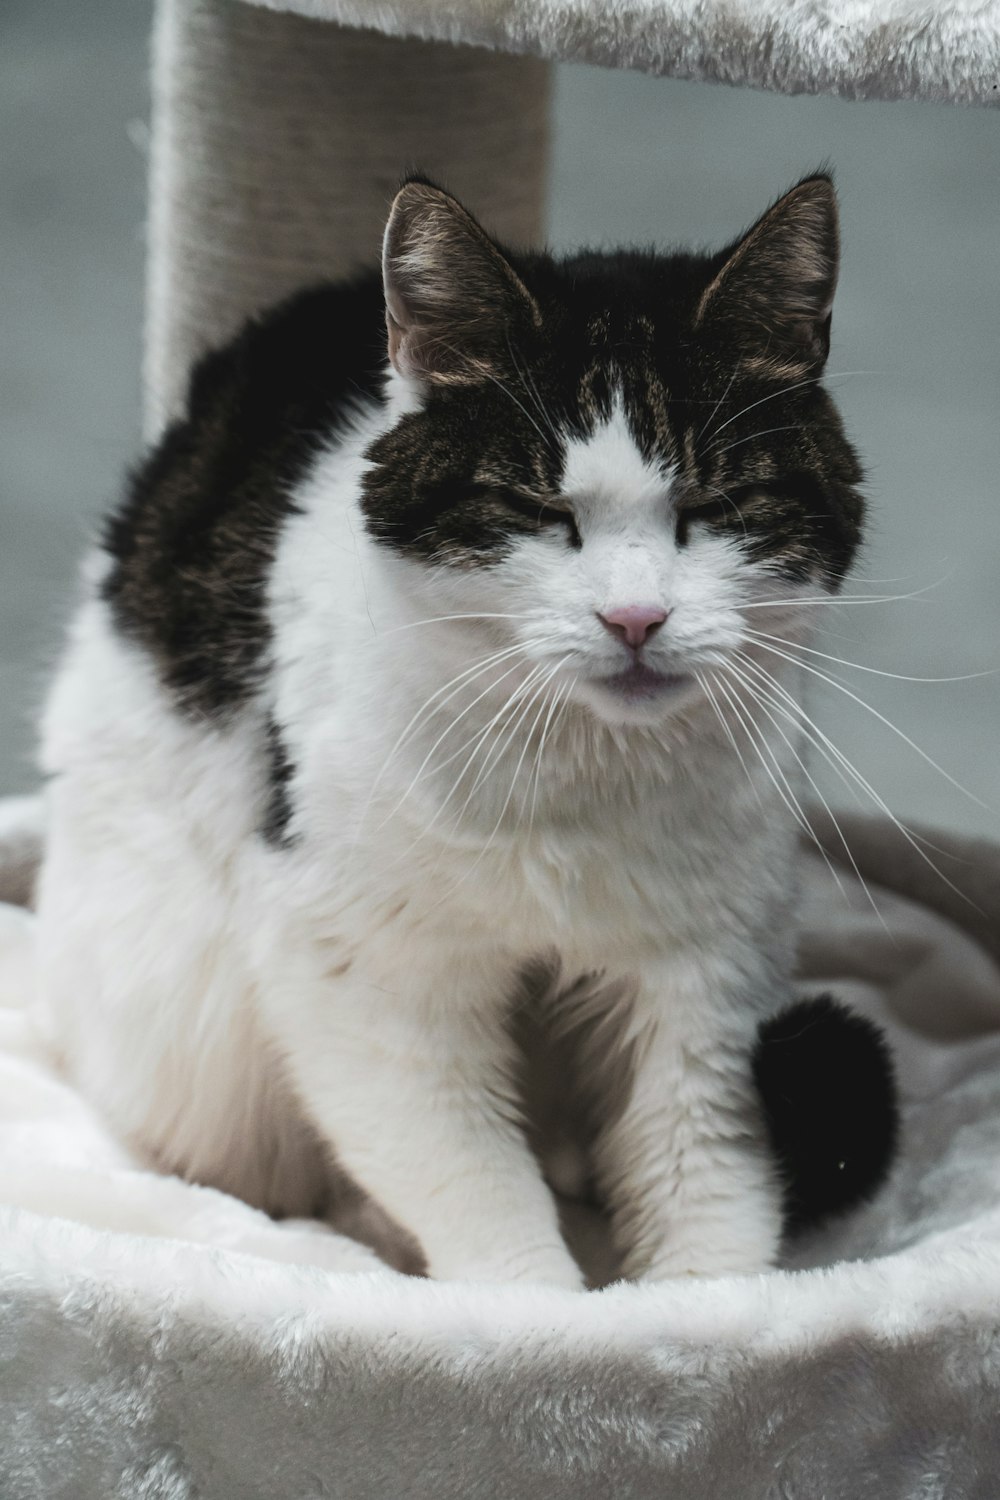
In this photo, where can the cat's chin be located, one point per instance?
(639, 695)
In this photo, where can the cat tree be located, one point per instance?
(278, 139)
(193, 1360)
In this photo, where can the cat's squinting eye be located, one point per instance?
(720, 505)
(541, 512)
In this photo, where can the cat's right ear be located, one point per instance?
(772, 294)
(451, 298)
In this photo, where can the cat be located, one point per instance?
(418, 662)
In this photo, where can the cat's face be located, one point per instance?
(609, 458)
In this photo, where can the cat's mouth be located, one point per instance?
(642, 684)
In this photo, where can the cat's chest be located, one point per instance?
(626, 881)
(590, 853)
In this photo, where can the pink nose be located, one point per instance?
(632, 623)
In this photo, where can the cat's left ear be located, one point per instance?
(775, 287)
(452, 299)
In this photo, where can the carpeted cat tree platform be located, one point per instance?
(161, 1341)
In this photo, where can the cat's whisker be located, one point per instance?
(783, 698)
(764, 432)
(484, 730)
(741, 711)
(858, 666)
(550, 674)
(525, 378)
(361, 570)
(835, 600)
(564, 707)
(470, 673)
(710, 695)
(529, 740)
(715, 408)
(488, 736)
(465, 679)
(767, 702)
(482, 739)
(443, 619)
(809, 830)
(835, 758)
(903, 578)
(863, 703)
(799, 720)
(857, 784)
(787, 390)
(462, 679)
(478, 741)
(553, 705)
(802, 818)
(790, 800)
(501, 386)
(920, 845)
(721, 494)
(500, 750)
(490, 687)
(482, 734)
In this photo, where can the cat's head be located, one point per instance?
(608, 457)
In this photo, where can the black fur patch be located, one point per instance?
(766, 463)
(826, 1080)
(278, 804)
(194, 540)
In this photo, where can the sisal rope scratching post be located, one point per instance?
(278, 143)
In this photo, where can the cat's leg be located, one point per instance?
(684, 1163)
(410, 1078)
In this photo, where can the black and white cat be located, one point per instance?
(393, 686)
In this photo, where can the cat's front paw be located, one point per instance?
(673, 1268)
(545, 1265)
(711, 1249)
(735, 1257)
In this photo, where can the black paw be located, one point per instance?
(826, 1080)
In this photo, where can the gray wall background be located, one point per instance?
(636, 159)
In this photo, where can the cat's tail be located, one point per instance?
(826, 1081)
(22, 825)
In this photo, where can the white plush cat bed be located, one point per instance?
(161, 1341)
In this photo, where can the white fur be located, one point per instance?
(213, 995)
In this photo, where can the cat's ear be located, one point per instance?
(452, 300)
(775, 288)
